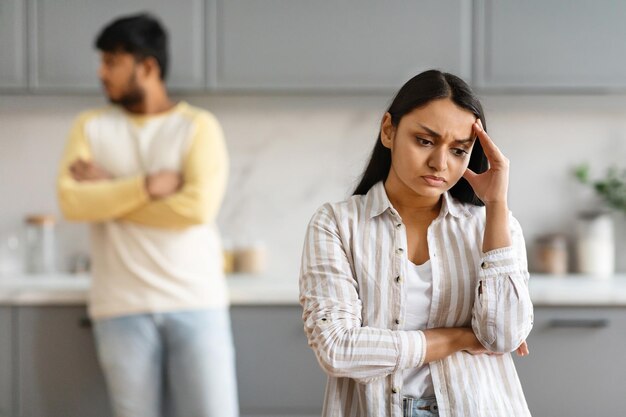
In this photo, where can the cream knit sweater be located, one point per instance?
(149, 255)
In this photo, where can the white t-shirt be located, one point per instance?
(419, 286)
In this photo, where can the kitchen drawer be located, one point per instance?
(576, 365)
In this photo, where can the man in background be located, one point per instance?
(149, 176)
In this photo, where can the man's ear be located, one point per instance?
(387, 131)
(151, 67)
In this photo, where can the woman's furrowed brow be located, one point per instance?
(431, 132)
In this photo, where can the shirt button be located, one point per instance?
(399, 250)
(484, 265)
(399, 225)
(395, 390)
(397, 321)
(398, 279)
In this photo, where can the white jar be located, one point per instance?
(595, 244)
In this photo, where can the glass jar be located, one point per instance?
(251, 259)
(551, 254)
(41, 245)
(11, 255)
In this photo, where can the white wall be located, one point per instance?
(290, 154)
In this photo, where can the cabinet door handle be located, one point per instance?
(84, 322)
(579, 323)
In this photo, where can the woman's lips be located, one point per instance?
(434, 181)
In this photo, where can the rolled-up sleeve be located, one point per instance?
(332, 312)
(502, 315)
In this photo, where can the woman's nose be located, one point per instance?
(438, 160)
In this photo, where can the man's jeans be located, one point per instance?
(187, 356)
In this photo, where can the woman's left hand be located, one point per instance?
(522, 350)
(492, 185)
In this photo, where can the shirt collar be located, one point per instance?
(377, 202)
(453, 206)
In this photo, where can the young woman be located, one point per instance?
(414, 290)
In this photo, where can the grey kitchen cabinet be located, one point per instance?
(63, 56)
(278, 374)
(349, 45)
(576, 365)
(6, 363)
(553, 45)
(13, 44)
(57, 373)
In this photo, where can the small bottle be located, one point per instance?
(41, 245)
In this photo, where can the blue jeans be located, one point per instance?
(187, 356)
(420, 407)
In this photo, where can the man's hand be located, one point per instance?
(83, 170)
(163, 183)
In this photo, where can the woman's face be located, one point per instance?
(430, 147)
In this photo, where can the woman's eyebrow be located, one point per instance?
(464, 141)
(438, 136)
(430, 131)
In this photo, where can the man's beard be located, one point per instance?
(133, 96)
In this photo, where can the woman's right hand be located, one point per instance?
(444, 341)
(471, 343)
(474, 347)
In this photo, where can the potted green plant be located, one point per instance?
(611, 188)
(595, 242)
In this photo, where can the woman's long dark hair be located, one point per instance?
(417, 92)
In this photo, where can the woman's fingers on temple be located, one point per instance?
(484, 138)
(491, 150)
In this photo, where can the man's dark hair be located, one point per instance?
(417, 92)
(141, 35)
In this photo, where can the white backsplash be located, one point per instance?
(290, 154)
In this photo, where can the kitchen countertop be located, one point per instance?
(66, 289)
(545, 290)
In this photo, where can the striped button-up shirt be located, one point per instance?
(353, 296)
